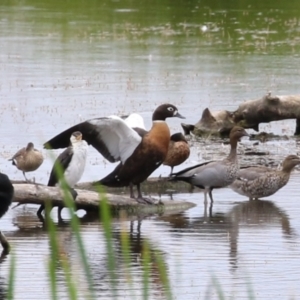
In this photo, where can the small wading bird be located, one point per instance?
(116, 141)
(6, 195)
(72, 162)
(259, 181)
(215, 174)
(27, 159)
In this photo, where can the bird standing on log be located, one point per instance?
(116, 141)
(147, 154)
(72, 162)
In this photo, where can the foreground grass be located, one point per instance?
(149, 257)
(152, 261)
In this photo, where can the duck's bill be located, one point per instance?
(178, 115)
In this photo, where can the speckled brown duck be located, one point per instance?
(215, 174)
(178, 152)
(27, 159)
(258, 182)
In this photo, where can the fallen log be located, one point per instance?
(267, 109)
(152, 186)
(248, 115)
(26, 193)
(218, 123)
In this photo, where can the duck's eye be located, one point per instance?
(170, 108)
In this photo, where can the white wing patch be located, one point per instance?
(119, 138)
(135, 120)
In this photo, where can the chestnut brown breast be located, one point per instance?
(148, 156)
(177, 154)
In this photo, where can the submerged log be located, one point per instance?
(218, 123)
(269, 108)
(89, 200)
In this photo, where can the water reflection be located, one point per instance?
(221, 234)
(262, 212)
(3, 288)
(128, 276)
(226, 226)
(139, 246)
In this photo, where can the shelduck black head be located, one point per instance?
(178, 137)
(166, 111)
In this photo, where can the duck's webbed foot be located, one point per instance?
(146, 200)
(140, 198)
(73, 193)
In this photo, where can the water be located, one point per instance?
(62, 63)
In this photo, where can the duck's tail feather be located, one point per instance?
(113, 179)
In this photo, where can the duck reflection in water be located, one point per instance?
(142, 253)
(226, 226)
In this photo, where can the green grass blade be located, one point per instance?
(105, 216)
(75, 225)
(217, 286)
(250, 290)
(53, 252)
(55, 258)
(11, 276)
(146, 269)
(125, 248)
(72, 290)
(164, 278)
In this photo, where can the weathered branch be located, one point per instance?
(218, 123)
(248, 115)
(269, 108)
(89, 200)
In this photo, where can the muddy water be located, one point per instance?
(61, 64)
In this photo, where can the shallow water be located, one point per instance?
(62, 64)
(244, 244)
